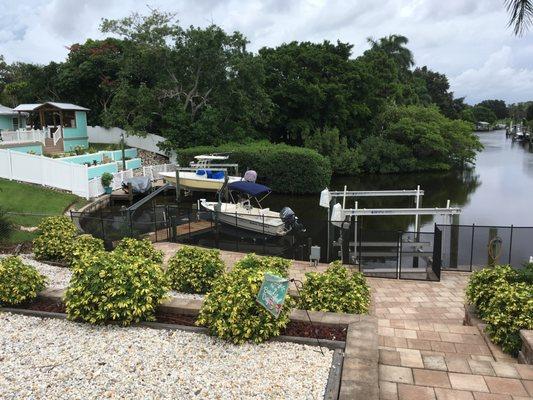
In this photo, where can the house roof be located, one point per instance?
(9, 111)
(61, 106)
(6, 110)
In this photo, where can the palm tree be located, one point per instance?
(394, 45)
(521, 15)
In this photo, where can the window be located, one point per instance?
(15, 123)
(69, 119)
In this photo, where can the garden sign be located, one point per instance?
(272, 293)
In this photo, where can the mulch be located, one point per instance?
(299, 329)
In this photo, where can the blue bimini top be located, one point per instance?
(250, 188)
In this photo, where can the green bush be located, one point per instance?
(483, 284)
(503, 298)
(335, 290)
(142, 248)
(231, 312)
(55, 240)
(525, 274)
(286, 169)
(115, 286)
(252, 262)
(84, 246)
(18, 282)
(193, 270)
(509, 310)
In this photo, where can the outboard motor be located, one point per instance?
(291, 220)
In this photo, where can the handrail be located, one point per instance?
(57, 135)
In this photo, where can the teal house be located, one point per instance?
(48, 128)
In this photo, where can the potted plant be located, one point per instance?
(106, 182)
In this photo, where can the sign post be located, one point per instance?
(272, 294)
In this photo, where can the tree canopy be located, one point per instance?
(202, 86)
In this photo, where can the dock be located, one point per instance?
(181, 231)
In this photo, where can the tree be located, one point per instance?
(438, 90)
(394, 45)
(529, 112)
(415, 138)
(498, 107)
(520, 15)
(206, 87)
(484, 114)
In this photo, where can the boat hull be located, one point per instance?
(191, 181)
(272, 226)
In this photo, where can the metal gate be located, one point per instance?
(394, 254)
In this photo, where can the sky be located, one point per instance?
(468, 40)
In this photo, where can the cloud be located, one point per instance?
(460, 38)
(496, 78)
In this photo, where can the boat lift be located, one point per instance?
(328, 197)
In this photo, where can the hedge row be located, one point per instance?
(286, 169)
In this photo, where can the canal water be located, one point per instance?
(497, 191)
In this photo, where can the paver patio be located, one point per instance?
(427, 353)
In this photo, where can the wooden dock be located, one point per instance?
(183, 230)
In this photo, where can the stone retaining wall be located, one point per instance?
(526, 354)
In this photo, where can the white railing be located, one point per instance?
(57, 135)
(152, 171)
(23, 136)
(96, 188)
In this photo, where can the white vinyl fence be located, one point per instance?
(54, 173)
(98, 134)
(152, 171)
(96, 188)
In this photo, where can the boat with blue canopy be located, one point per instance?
(242, 214)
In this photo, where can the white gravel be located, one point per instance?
(58, 277)
(57, 359)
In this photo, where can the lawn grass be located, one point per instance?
(18, 197)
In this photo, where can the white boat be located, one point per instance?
(206, 178)
(243, 215)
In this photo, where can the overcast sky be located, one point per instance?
(468, 40)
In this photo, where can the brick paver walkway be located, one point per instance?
(427, 353)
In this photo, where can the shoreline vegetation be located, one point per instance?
(369, 113)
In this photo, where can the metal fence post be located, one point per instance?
(472, 246)
(510, 244)
(399, 256)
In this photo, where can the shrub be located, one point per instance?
(193, 270)
(231, 312)
(525, 274)
(483, 284)
(336, 290)
(6, 226)
(252, 262)
(142, 248)
(106, 179)
(287, 169)
(55, 240)
(115, 286)
(18, 282)
(509, 310)
(85, 246)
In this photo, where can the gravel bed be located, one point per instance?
(58, 359)
(58, 277)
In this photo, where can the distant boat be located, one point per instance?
(205, 178)
(243, 215)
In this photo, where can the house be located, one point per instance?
(48, 128)
(482, 126)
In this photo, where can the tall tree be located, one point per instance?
(498, 107)
(520, 15)
(394, 45)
